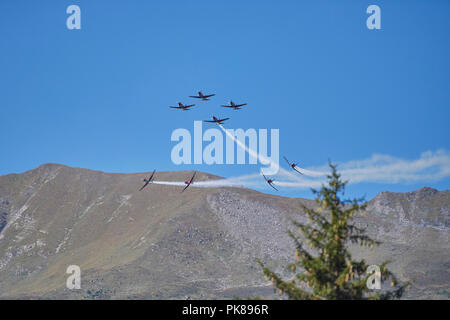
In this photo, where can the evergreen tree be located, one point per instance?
(328, 269)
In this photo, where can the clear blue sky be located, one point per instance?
(97, 97)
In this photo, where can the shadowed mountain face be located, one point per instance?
(202, 243)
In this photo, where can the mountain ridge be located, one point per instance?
(161, 243)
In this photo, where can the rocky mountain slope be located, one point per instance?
(160, 243)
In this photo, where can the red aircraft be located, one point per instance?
(182, 106)
(147, 181)
(189, 182)
(270, 182)
(215, 120)
(292, 165)
(202, 96)
(234, 105)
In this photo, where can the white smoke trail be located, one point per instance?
(247, 181)
(264, 160)
(300, 184)
(430, 166)
(310, 172)
(205, 184)
(254, 154)
(169, 183)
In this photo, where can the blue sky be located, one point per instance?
(97, 97)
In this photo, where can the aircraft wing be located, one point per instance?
(240, 105)
(209, 120)
(273, 186)
(208, 95)
(286, 160)
(153, 173)
(194, 97)
(186, 187)
(297, 170)
(146, 184)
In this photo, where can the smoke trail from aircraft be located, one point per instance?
(431, 166)
(265, 160)
(251, 152)
(169, 183)
(206, 184)
(311, 173)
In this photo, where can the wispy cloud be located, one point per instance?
(429, 167)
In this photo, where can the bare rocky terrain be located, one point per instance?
(163, 244)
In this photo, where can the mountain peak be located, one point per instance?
(425, 191)
(422, 192)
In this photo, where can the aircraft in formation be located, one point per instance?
(203, 96)
(147, 181)
(270, 182)
(293, 165)
(234, 105)
(182, 106)
(150, 179)
(189, 182)
(216, 120)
